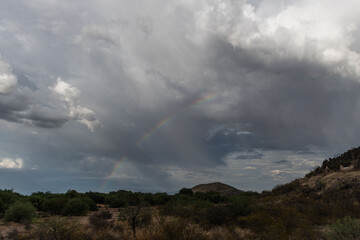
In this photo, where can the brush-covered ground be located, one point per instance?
(322, 205)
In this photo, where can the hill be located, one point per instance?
(347, 161)
(223, 189)
(336, 182)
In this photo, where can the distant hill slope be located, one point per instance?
(223, 189)
(336, 181)
(347, 161)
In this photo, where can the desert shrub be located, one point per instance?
(186, 191)
(344, 229)
(22, 212)
(55, 205)
(257, 220)
(75, 207)
(214, 197)
(216, 215)
(278, 221)
(2, 207)
(286, 188)
(102, 235)
(178, 230)
(178, 207)
(197, 211)
(147, 198)
(58, 229)
(229, 233)
(105, 214)
(199, 205)
(211, 196)
(37, 202)
(239, 205)
(99, 220)
(161, 198)
(8, 197)
(72, 194)
(134, 199)
(320, 184)
(115, 201)
(135, 216)
(97, 197)
(290, 218)
(91, 204)
(305, 232)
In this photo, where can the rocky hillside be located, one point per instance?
(223, 189)
(347, 161)
(336, 181)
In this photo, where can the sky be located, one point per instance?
(158, 95)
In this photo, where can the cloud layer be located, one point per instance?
(160, 95)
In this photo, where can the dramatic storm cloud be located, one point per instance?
(155, 96)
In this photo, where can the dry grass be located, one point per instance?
(332, 180)
(8, 228)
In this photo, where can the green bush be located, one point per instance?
(117, 202)
(2, 207)
(38, 202)
(22, 212)
(72, 194)
(239, 205)
(286, 188)
(186, 191)
(344, 229)
(97, 197)
(55, 205)
(9, 196)
(216, 215)
(91, 204)
(75, 207)
(161, 198)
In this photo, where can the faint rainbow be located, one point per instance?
(164, 121)
(157, 126)
(204, 98)
(112, 174)
(149, 133)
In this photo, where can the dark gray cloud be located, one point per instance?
(157, 96)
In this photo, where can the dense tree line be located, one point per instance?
(288, 211)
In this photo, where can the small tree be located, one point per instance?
(136, 216)
(100, 219)
(22, 212)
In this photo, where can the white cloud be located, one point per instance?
(321, 32)
(84, 116)
(249, 168)
(11, 163)
(66, 91)
(69, 95)
(243, 133)
(8, 81)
